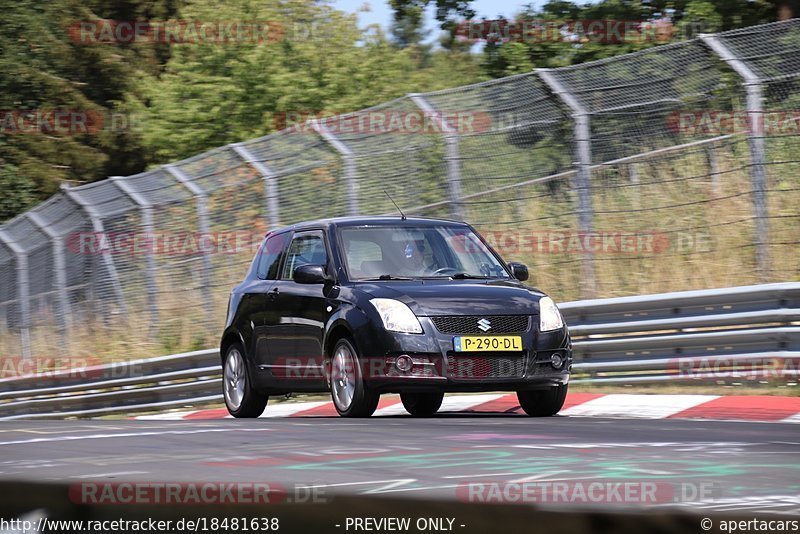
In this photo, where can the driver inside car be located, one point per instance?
(413, 258)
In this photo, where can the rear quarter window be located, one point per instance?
(269, 256)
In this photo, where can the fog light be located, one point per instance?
(404, 363)
(556, 360)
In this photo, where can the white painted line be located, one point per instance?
(117, 474)
(394, 409)
(387, 484)
(287, 409)
(617, 405)
(482, 475)
(171, 416)
(792, 419)
(421, 488)
(284, 409)
(637, 406)
(459, 403)
(540, 476)
(455, 403)
(131, 435)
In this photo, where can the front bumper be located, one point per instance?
(436, 365)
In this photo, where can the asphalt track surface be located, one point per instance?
(739, 466)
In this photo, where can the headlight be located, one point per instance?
(549, 316)
(396, 316)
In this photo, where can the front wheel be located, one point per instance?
(543, 403)
(237, 388)
(422, 404)
(351, 398)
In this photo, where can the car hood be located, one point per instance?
(459, 297)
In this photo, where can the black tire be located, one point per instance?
(543, 403)
(241, 399)
(362, 401)
(422, 404)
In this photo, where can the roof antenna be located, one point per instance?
(402, 215)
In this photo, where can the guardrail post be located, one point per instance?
(583, 153)
(59, 271)
(201, 198)
(97, 226)
(23, 291)
(451, 154)
(348, 161)
(147, 225)
(271, 192)
(754, 88)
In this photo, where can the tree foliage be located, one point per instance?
(210, 95)
(663, 21)
(46, 69)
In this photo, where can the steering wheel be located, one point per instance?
(444, 270)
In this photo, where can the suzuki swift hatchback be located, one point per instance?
(371, 305)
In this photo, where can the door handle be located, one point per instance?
(274, 292)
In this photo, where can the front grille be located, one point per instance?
(481, 367)
(468, 324)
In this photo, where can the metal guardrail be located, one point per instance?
(651, 338)
(748, 330)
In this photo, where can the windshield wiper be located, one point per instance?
(464, 276)
(387, 277)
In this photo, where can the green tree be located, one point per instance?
(409, 16)
(18, 191)
(210, 95)
(663, 21)
(46, 67)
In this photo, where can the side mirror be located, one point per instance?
(519, 271)
(310, 274)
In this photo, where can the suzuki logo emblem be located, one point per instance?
(485, 325)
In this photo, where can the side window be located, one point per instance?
(270, 255)
(305, 249)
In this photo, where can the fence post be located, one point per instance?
(202, 226)
(583, 176)
(97, 226)
(451, 153)
(271, 191)
(713, 169)
(754, 88)
(23, 291)
(59, 269)
(147, 225)
(348, 161)
(633, 177)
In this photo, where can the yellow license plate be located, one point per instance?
(487, 343)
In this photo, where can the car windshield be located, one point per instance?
(403, 252)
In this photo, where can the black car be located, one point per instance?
(370, 305)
